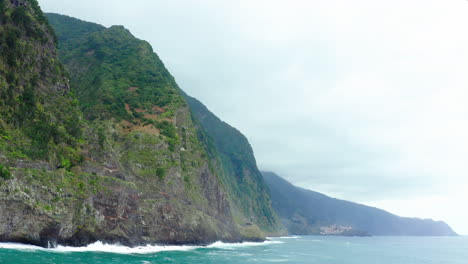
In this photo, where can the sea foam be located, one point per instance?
(119, 249)
(115, 248)
(19, 246)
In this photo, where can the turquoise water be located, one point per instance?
(304, 249)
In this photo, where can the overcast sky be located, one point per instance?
(363, 100)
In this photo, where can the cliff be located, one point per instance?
(243, 180)
(105, 148)
(246, 190)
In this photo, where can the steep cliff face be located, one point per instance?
(306, 212)
(96, 56)
(134, 170)
(242, 178)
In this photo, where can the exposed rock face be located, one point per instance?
(109, 210)
(24, 224)
(134, 170)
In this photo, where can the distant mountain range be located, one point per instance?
(305, 212)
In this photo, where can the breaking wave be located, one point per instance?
(119, 249)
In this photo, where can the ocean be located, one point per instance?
(296, 249)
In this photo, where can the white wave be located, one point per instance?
(100, 247)
(19, 246)
(119, 249)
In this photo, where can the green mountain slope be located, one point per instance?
(110, 68)
(307, 212)
(131, 77)
(38, 116)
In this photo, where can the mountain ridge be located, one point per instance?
(307, 212)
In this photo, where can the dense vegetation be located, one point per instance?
(38, 116)
(119, 78)
(67, 30)
(5, 173)
(304, 212)
(114, 74)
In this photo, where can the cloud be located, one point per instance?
(363, 100)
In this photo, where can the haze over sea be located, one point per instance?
(303, 249)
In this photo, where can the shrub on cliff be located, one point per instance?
(5, 173)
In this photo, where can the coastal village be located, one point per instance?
(334, 230)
